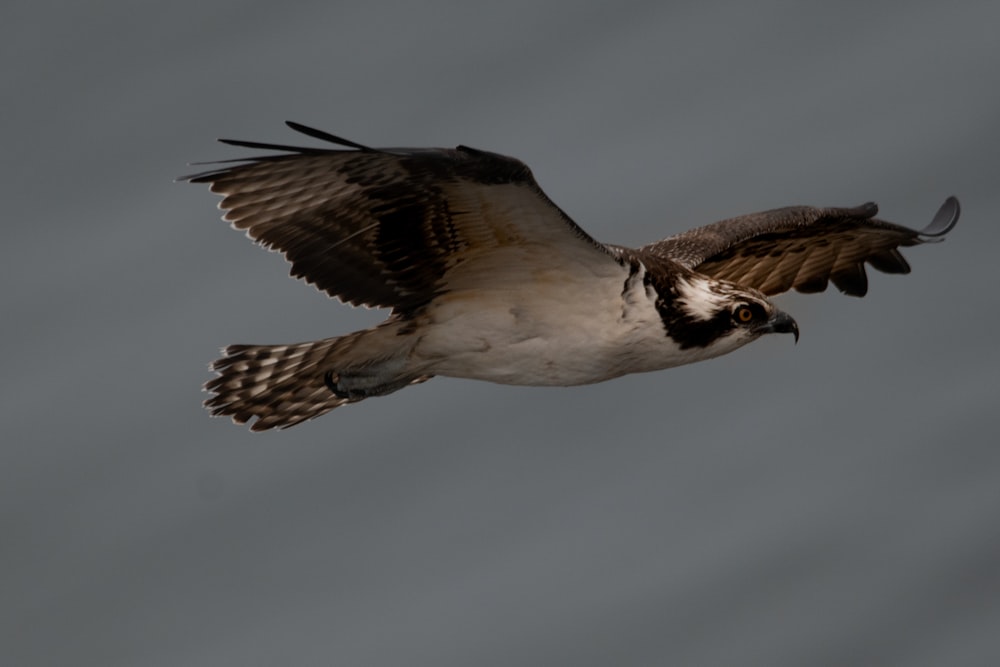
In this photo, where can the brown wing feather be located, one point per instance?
(385, 228)
(802, 247)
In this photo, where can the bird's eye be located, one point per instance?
(744, 314)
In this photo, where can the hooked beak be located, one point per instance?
(781, 322)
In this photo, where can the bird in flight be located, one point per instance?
(488, 279)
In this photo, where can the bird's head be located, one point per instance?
(718, 316)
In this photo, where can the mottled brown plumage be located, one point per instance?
(802, 247)
(383, 228)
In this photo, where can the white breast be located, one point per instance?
(565, 327)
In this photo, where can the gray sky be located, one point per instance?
(835, 502)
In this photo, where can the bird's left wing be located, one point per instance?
(396, 227)
(802, 247)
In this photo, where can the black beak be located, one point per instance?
(781, 323)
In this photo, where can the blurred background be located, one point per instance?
(835, 502)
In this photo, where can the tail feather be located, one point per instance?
(284, 385)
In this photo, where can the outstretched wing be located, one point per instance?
(387, 227)
(802, 247)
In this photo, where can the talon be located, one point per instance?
(332, 385)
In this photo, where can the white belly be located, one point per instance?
(567, 329)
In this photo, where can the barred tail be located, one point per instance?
(283, 385)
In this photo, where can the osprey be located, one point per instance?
(487, 279)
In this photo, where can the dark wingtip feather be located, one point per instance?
(272, 147)
(889, 261)
(944, 220)
(325, 136)
(201, 176)
(812, 285)
(852, 281)
(209, 176)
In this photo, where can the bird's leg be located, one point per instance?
(356, 387)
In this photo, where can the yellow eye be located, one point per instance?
(744, 314)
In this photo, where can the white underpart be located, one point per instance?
(564, 325)
(698, 299)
